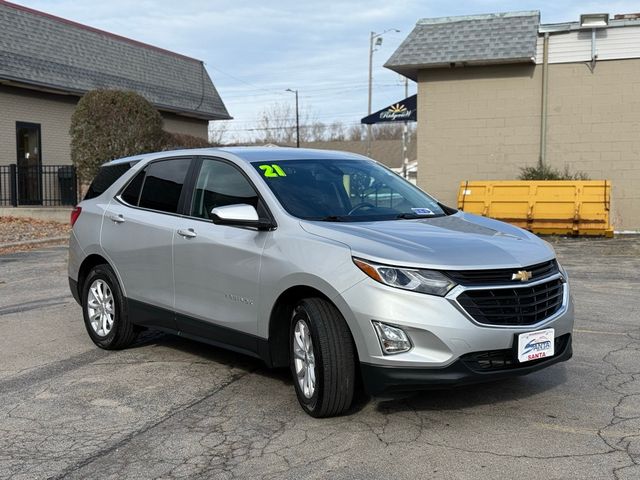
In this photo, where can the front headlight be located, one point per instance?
(416, 280)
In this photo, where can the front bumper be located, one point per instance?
(378, 379)
(442, 334)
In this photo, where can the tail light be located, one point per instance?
(75, 213)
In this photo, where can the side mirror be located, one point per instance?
(240, 215)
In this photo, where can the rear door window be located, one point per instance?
(163, 185)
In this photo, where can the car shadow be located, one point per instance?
(456, 398)
(211, 353)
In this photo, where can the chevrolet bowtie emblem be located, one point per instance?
(522, 275)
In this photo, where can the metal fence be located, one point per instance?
(44, 185)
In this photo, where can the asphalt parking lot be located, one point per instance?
(171, 408)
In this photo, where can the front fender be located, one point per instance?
(303, 260)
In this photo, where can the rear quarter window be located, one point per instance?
(131, 194)
(106, 177)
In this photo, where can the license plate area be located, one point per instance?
(536, 345)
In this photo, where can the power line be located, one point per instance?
(312, 92)
(318, 118)
(245, 82)
(265, 129)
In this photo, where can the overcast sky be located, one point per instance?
(254, 50)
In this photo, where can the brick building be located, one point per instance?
(483, 84)
(47, 63)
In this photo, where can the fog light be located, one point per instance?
(392, 339)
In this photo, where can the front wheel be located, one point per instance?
(322, 358)
(104, 310)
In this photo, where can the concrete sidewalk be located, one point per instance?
(39, 241)
(55, 214)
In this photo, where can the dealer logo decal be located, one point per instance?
(537, 345)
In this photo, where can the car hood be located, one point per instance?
(459, 241)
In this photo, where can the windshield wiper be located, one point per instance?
(414, 216)
(331, 218)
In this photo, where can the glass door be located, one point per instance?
(29, 163)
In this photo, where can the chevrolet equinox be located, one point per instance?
(324, 262)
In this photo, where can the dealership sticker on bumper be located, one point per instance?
(535, 345)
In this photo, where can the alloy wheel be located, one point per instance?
(100, 307)
(304, 359)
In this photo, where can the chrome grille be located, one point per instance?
(513, 306)
(502, 275)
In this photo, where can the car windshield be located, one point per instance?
(345, 190)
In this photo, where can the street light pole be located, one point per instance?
(297, 117)
(375, 40)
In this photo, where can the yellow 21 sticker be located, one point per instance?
(272, 170)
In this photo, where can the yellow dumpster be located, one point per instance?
(558, 207)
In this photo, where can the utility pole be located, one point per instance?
(297, 117)
(371, 37)
(405, 134)
(375, 40)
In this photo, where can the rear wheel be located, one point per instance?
(322, 358)
(104, 311)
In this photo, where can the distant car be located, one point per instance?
(325, 262)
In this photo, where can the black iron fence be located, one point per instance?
(45, 185)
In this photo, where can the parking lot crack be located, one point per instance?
(510, 455)
(626, 394)
(149, 426)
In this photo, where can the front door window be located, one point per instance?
(29, 163)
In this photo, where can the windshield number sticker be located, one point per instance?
(272, 171)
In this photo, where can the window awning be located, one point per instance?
(403, 111)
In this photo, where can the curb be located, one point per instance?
(34, 242)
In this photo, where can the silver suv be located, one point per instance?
(324, 262)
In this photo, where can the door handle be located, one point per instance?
(116, 218)
(188, 233)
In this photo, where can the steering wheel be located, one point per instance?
(359, 206)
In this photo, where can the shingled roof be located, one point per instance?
(47, 52)
(470, 40)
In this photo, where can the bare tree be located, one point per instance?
(355, 133)
(307, 128)
(318, 132)
(413, 133)
(336, 132)
(218, 131)
(388, 131)
(277, 124)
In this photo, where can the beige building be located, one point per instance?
(500, 92)
(47, 63)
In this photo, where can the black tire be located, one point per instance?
(334, 358)
(122, 332)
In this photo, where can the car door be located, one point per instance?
(137, 237)
(217, 267)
